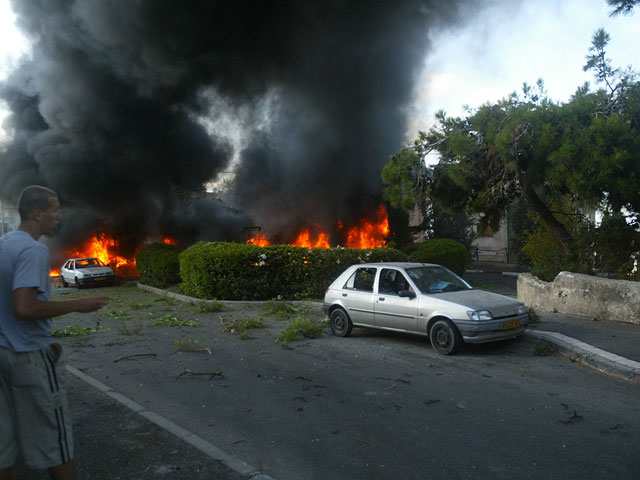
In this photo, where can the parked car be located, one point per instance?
(86, 271)
(424, 299)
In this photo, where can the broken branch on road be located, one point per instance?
(134, 356)
(217, 373)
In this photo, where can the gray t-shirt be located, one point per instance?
(24, 262)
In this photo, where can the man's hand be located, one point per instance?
(90, 304)
(26, 305)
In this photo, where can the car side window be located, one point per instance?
(362, 280)
(392, 281)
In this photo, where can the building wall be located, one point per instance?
(492, 246)
(9, 218)
(489, 246)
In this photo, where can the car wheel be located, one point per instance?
(64, 282)
(445, 337)
(78, 283)
(340, 323)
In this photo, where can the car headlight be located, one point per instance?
(479, 315)
(522, 309)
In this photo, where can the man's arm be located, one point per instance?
(26, 305)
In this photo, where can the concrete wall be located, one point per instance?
(576, 294)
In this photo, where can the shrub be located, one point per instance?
(442, 251)
(544, 253)
(235, 271)
(231, 271)
(158, 265)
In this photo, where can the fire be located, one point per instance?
(369, 234)
(103, 247)
(259, 240)
(305, 239)
(169, 241)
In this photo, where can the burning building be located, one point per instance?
(128, 108)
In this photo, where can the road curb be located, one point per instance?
(597, 358)
(185, 298)
(192, 439)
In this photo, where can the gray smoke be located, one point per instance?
(120, 109)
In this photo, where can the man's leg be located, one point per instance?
(66, 471)
(8, 449)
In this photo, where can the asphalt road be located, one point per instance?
(375, 405)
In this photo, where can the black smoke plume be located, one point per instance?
(124, 110)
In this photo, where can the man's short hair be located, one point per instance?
(34, 197)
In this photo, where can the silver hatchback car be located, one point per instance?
(424, 299)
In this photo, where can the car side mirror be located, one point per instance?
(407, 293)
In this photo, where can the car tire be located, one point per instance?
(78, 283)
(64, 282)
(445, 337)
(341, 325)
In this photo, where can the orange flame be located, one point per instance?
(305, 240)
(169, 241)
(259, 240)
(103, 247)
(369, 234)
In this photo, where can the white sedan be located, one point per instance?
(86, 271)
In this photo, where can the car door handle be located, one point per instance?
(381, 299)
(345, 294)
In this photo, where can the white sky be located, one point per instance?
(507, 43)
(510, 42)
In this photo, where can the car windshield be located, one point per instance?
(436, 280)
(89, 262)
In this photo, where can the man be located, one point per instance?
(34, 413)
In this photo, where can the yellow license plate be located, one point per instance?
(510, 324)
(100, 278)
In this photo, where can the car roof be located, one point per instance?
(397, 264)
(82, 258)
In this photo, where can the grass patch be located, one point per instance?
(545, 349)
(301, 327)
(241, 327)
(73, 331)
(210, 306)
(138, 305)
(169, 320)
(282, 310)
(191, 344)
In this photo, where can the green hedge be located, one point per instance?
(443, 251)
(236, 271)
(158, 265)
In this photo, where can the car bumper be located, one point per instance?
(490, 331)
(108, 280)
(326, 307)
